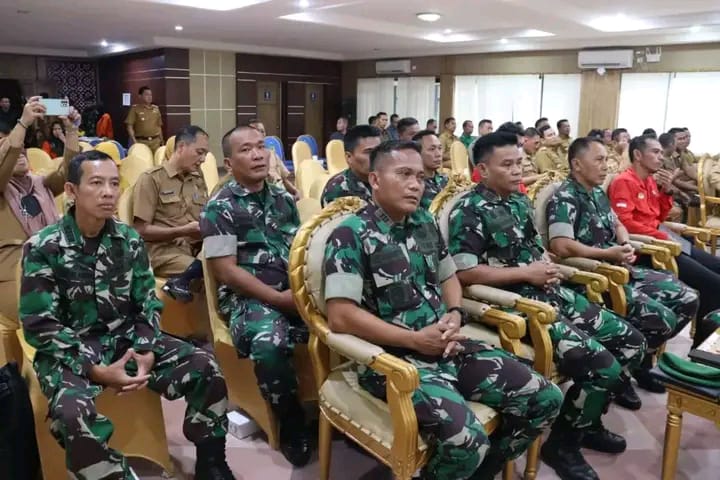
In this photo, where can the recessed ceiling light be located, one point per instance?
(619, 23)
(178, 28)
(428, 16)
(104, 43)
(304, 3)
(450, 38)
(218, 5)
(447, 31)
(503, 41)
(533, 33)
(695, 28)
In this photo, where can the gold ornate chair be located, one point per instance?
(459, 158)
(388, 431)
(239, 373)
(709, 174)
(335, 154)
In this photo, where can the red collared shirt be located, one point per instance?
(639, 204)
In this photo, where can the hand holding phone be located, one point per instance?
(56, 106)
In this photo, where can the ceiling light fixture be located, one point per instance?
(533, 33)
(178, 28)
(503, 41)
(428, 16)
(450, 38)
(447, 31)
(104, 43)
(619, 23)
(695, 28)
(217, 5)
(304, 3)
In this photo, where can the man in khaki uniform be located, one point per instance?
(144, 122)
(447, 138)
(565, 139)
(27, 204)
(548, 157)
(167, 201)
(530, 172)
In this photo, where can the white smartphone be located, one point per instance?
(56, 106)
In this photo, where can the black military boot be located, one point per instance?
(296, 439)
(211, 463)
(561, 452)
(490, 467)
(179, 289)
(645, 379)
(627, 397)
(603, 440)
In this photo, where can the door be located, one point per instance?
(269, 106)
(314, 115)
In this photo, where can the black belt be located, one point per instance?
(147, 138)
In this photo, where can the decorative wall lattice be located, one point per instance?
(75, 79)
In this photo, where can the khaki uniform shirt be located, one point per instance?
(278, 171)
(528, 164)
(446, 140)
(547, 159)
(164, 198)
(146, 121)
(564, 146)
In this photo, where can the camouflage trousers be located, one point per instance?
(592, 346)
(181, 370)
(659, 305)
(268, 337)
(528, 403)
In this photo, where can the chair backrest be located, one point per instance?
(210, 172)
(300, 151)
(307, 207)
(131, 169)
(40, 161)
(447, 199)
(318, 185)
(307, 256)
(704, 169)
(307, 172)
(109, 147)
(335, 154)
(458, 157)
(541, 200)
(159, 155)
(273, 143)
(608, 181)
(310, 140)
(169, 148)
(218, 327)
(125, 207)
(142, 151)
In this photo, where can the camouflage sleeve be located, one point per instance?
(218, 229)
(295, 215)
(344, 268)
(561, 213)
(331, 190)
(447, 267)
(467, 243)
(38, 312)
(142, 293)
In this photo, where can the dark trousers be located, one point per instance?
(701, 271)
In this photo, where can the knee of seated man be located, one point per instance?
(599, 365)
(71, 412)
(267, 350)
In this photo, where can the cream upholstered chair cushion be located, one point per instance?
(444, 216)
(541, 200)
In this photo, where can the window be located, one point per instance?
(643, 102)
(415, 97)
(561, 99)
(374, 95)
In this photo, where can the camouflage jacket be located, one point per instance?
(488, 229)
(576, 213)
(345, 184)
(76, 304)
(547, 159)
(433, 186)
(258, 228)
(393, 270)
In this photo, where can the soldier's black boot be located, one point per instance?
(645, 379)
(295, 437)
(627, 397)
(603, 440)
(179, 289)
(561, 452)
(211, 463)
(490, 467)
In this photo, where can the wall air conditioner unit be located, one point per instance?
(392, 66)
(593, 59)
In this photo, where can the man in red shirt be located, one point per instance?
(642, 197)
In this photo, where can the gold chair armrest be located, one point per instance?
(701, 234)
(674, 248)
(492, 295)
(354, 348)
(511, 328)
(595, 284)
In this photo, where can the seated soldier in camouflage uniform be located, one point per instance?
(582, 224)
(353, 181)
(431, 152)
(389, 279)
(88, 306)
(247, 229)
(549, 156)
(167, 201)
(494, 242)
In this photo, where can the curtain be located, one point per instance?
(693, 102)
(643, 102)
(374, 95)
(416, 98)
(561, 99)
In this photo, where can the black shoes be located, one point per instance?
(211, 463)
(628, 398)
(646, 381)
(490, 467)
(603, 440)
(296, 444)
(565, 458)
(178, 289)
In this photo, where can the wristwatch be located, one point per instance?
(463, 314)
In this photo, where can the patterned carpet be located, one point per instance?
(252, 459)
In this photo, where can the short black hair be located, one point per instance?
(616, 133)
(539, 121)
(342, 117)
(676, 130)
(394, 116)
(422, 134)
(486, 145)
(226, 147)
(560, 122)
(666, 140)
(371, 119)
(510, 127)
(639, 143)
(358, 132)
(142, 89)
(484, 121)
(580, 146)
(380, 114)
(520, 124)
(189, 134)
(531, 132)
(386, 148)
(650, 131)
(448, 120)
(75, 168)
(544, 129)
(466, 122)
(596, 132)
(430, 120)
(405, 123)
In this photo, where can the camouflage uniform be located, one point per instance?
(395, 272)
(591, 344)
(659, 305)
(258, 229)
(84, 302)
(345, 184)
(433, 186)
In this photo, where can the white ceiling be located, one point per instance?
(351, 29)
